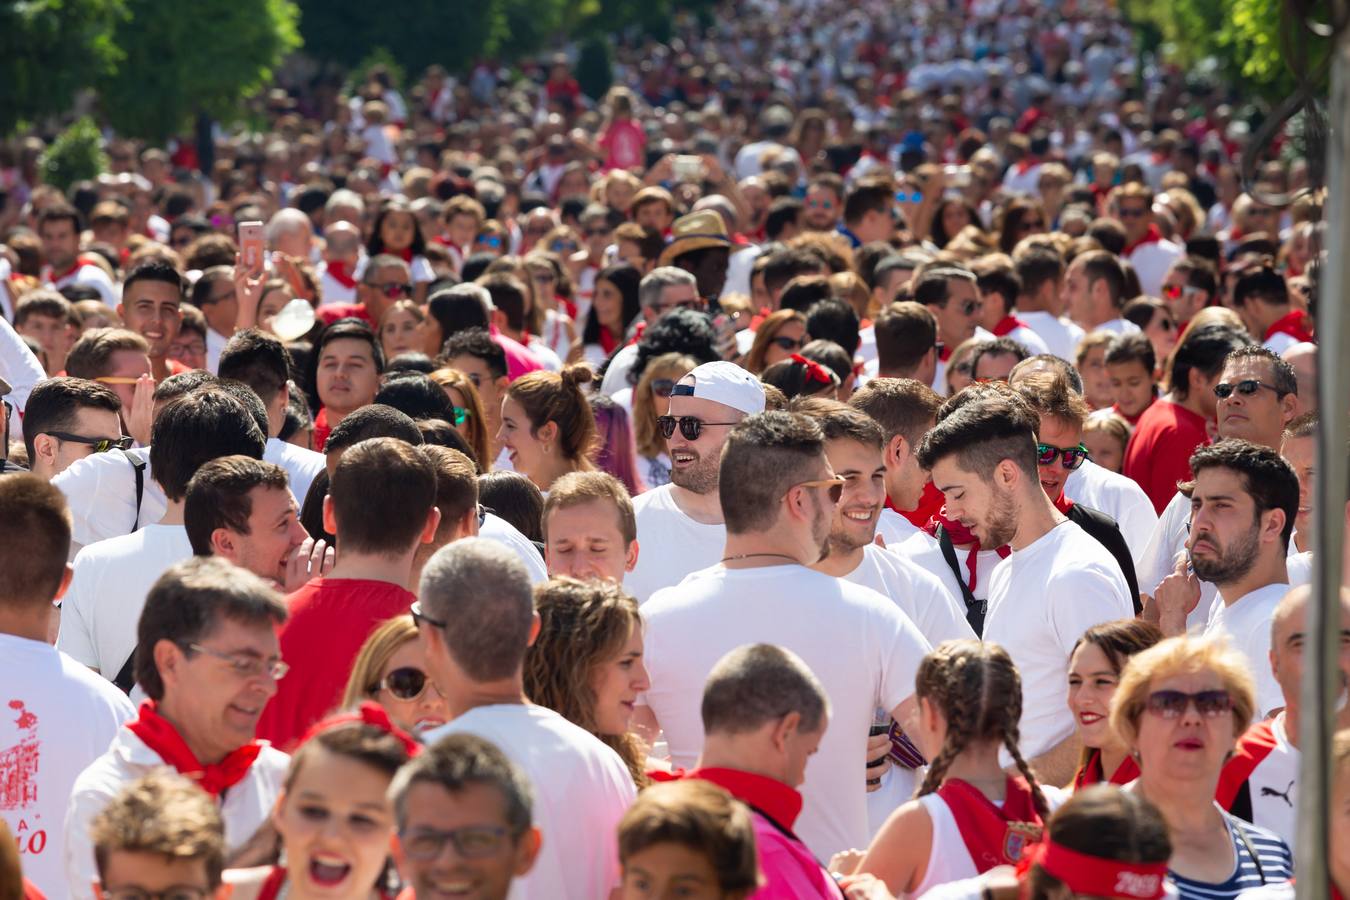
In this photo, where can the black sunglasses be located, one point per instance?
(416, 611)
(100, 445)
(1172, 704)
(395, 289)
(1246, 387)
(662, 387)
(1069, 457)
(690, 426)
(789, 344)
(405, 683)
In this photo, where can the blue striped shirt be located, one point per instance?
(1276, 865)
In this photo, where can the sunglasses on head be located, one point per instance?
(792, 345)
(1172, 704)
(662, 387)
(1246, 387)
(690, 426)
(405, 683)
(1069, 457)
(490, 240)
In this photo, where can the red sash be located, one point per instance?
(1297, 324)
(1152, 236)
(271, 888)
(1092, 773)
(1007, 325)
(1251, 749)
(994, 835)
(160, 736)
(340, 274)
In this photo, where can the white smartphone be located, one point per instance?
(251, 245)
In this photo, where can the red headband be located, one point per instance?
(814, 370)
(367, 713)
(1096, 876)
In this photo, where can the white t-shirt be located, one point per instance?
(60, 718)
(1151, 262)
(245, 808)
(1041, 600)
(862, 648)
(107, 593)
(925, 552)
(1028, 338)
(21, 369)
(1120, 498)
(333, 291)
(894, 528)
(498, 529)
(1299, 567)
(1279, 342)
(616, 376)
(674, 544)
(1246, 621)
(85, 275)
(1274, 786)
(1117, 326)
(581, 790)
(1059, 334)
(920, 594)
(215, 343)
(302, 466)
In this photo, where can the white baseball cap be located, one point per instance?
(725, 383)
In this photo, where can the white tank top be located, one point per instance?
(948, 858)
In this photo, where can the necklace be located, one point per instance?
(749, 555)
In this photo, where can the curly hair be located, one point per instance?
(978, 690)
(582, 625)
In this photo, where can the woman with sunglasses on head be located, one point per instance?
(395, 231)
(781, 334)
(391, 671)
(467, 412)
(651, 399)
(548, 428)
(333, 819)
(1180, 708)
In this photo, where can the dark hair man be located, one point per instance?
(907, 345)
(67, 419)
(59, 227)
(1095, 293)
(951, 296)
(151, 294)
(348, 362)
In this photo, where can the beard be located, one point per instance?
(701, 477)
(822, 531)
(1000, 526)
(1228, 563)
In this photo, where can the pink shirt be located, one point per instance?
(519, 360)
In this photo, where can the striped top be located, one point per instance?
(1276, 865)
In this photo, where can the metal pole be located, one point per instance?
(1321, 683)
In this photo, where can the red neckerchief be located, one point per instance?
(1024, 166)
(608, 342)
(75, 267)
(773, 798)
(1297, 324)
(1092, 773)
(321, 429)
(962, 536)
(340, 273)
(994, 835)
(638, 331)
(1252, 748)
(160, 736)
(1133, 420)
(405, 254)
(1062, 503)
(759, 317)
(946, 352)
(1152, 236)
(1007, 325)
(271, 888)
(930, 504)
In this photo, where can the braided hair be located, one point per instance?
(979, 692)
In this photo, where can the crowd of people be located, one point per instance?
(858, 456)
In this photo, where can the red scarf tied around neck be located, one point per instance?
(961, 535)
(341, 273)
(159, 735)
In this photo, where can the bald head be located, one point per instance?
(344, 241)
(1303, 357)
(1289, 621)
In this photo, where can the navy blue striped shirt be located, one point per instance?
(1276, 865)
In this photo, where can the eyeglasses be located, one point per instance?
(1246, 387)
(836, 486)
(416, 609)
(177, 892)
(100, 445)
(791, 345)
(597, 232)
(1167, 325)
(490, 240)
(1177, 291)
(246, 665)
(394, 289)
(690, 426)
(470, 841)
(662, 387)
(460, 414)
(1069, 457)
(1171, 704)
(405, 683)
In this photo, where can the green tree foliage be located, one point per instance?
(595, 69)
(201, 56)
(76, 155)
(49, 50)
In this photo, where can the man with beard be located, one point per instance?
(1055, 584)
(1242, 515)
(778, 495)
(682, 521)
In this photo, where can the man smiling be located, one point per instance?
(151, 295)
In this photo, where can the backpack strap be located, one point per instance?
(975, 609)
(125, 679)
(138, 467)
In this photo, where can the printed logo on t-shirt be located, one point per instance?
(18, 783)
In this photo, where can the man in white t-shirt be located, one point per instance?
(341, 256)
(59, 229)
(209, 661)
(779, 496)
(1094, 292)
(681, 523)
(1146, 249)
(1040, 269)
(112, 577)
(1058, 580)
(476, 619)
(951, 296)
(661, 290)
(590, 530)
(1242, 515)
(905, 409)
(61, 716)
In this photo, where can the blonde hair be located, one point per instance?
(164, 814)
(1181, 656)
(474, 429)
(1111, 424)
(374, 655)
(646, 436)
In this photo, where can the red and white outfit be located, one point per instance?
(1260, 782)
(972, 834)
(1091, 773)
(1294, 328)
(1152, 255)
(337, 284)
(85, 273)
(246, 783)
(1010, 326)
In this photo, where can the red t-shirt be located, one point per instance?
(330, 618)
(331, 312)
(1159, 454)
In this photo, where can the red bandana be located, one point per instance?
(1092, 773)
(1062, 503)
(962, 536)
(74, 267)
(638, 330)
(994, 835)
(608, 342)
(405, 254)
(1007, 324)
(1093, 876)
(1297, 324)
(160, 736)
(814, 370)
(341, 274)
(367, 714)
(1152, 236)
(945, 353)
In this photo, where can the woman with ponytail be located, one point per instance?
(968, 816)
(548, 428)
